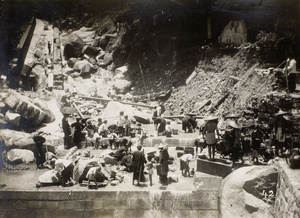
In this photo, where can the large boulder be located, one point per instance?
(107, 60)
(49, 116)
(86, 34)
(50, 177)
(112, 111)
(17, 139)
(90, 51)
(12, 117)
(25, 155)
(71, 62)
(24, 106)
(122, 86)
(73, 45)
(83, 67)
(243, 192)
(82, 167)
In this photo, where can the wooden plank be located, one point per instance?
(122, 102)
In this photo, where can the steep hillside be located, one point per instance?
(232, 79)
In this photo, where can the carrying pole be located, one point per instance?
(143, 79)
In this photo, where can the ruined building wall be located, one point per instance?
(235, 32)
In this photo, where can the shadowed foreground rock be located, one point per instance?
(243, 192)
(22, 140)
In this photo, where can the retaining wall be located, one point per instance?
(287, 203)
(109, 204)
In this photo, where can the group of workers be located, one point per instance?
(88, 134)
(231, 140)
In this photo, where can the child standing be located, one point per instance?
(150, 168)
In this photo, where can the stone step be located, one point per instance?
(174, 142)
(218, 167)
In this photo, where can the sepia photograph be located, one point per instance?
(149, 108)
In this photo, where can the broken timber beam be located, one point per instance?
(77, 109)
(122, 102)
(213, 107)
(208, 102)
(235, 78)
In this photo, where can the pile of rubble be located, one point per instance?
(222, 85)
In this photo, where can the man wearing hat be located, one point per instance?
(39, 154)
(279, 130)
(209, 130)
(234, 140)
(163, 163)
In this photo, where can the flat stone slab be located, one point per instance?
(217, 167)
(204, 181)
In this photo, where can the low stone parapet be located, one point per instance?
(287, 203)
(109, 204)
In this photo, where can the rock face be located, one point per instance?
(25, 155)
(244, 192)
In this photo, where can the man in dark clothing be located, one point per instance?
(138, 161)
(120, 153)
(160, 125)
(77, 134)
(256, 140)
(67, 132)
(163, 161)
(39, 154)
(188, 124)
(126, 141)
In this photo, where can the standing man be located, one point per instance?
(163, 162)
(77, 134)
(39, 154)
(209, 130)
(291, 73)
(103, 130)
(138, 160)
(127, 126)
(279, 130)
(121, 124)
(235, 140)
(67, 131)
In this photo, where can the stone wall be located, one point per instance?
(131, 204)
(287, 203)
